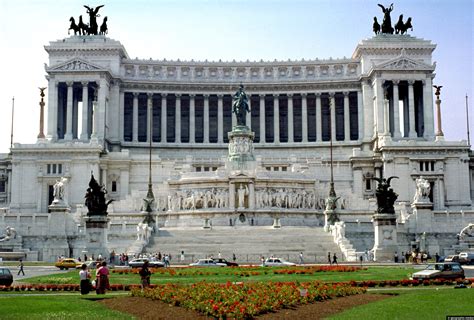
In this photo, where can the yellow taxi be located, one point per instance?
(67, 263)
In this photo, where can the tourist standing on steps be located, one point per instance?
(84, 275)
(329, 257)
(301, 258)
(145, 275)
(334, 259)
(21, 265)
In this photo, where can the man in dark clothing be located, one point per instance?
(21, 267)
(334, 259)
(145, 275)
(329, 257)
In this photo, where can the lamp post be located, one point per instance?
(150, 197)
(331, 201)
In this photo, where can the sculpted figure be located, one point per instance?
(242, 193)
(376, 26)
(385, 195)
(93, 14)
(387, 21)
(240, 105)
(10, 233)
(58, 189)
(423, 189)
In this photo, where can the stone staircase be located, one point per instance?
(248, 243)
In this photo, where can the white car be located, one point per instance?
(138, 263)
(207, 263)
(277, 262)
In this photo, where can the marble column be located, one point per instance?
(149, 111)
(332, 110)
(396, 110)
(319, 135)
(102, 103)
(428, 114)
(121, 114)
(379, 97)
(68, 135)
(291, 134)
(232, 195)
(411, 109)
(135, 117)
(304, 112)
(220, 119)
(347, 123)
(360, 115)
(276, 118)
(251, 197)
(177, 133)
(206, 119)
(192, 123)
(85, 111)
(262, 118)
(164, 115)
(52, 109)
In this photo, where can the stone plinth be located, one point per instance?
(423, 213)
(241, 156)
(59, 207)
(385, 232)
(96, 235)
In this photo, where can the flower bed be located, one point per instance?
(245, 300)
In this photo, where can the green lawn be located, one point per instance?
(55, 307)
(416, 304)
(222, 275)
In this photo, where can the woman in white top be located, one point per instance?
(84, 275)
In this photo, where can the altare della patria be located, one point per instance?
(245, 158)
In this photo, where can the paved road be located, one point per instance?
(33, 271)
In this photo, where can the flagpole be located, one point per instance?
(13, 113)
(467, 122)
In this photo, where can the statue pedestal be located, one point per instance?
(385, 229)
(241, 156)
(276, 223)
(96, 235)
(59, 207)
(423, 213)
(327, 214)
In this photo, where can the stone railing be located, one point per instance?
(338, 231)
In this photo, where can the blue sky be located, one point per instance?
(227, 30)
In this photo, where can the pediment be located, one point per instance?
(403, 63)
(76, 64)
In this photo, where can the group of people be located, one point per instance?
(334, 258)
(101, 279)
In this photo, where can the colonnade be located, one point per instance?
(206, 118)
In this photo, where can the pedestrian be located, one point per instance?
(329, 257)
(219, 255)
(182, 255)
(334, 259)
(145, 275)
(407, 257)
(262, 258)
(102, 283)
(403, 257)
(234, 257)
(361, 258)
(84, 276)
(436, 257)
(395, 257)
(21, 265)
(301, 258)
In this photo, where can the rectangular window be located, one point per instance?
(114, 186)
(283, 114)
(156, 118)
(54, 169)
(60, 168)
(2, 186)
(170, 118)
(227, 114)
(213, 121)
(185, 119)
(142, 117)
(199, 118)
(353, 116)
(198, 169)
(297, 118)
(325, 115)
(48, 169)
(339, 102)
(128, 117)
(269, 119)
(283, 168)
(255, 116)
(311, 120)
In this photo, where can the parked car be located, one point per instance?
(207, 263)
(466, 258)
(138, 263)
(445, 270)
(227, 263)
(67, 263)
(6, 277)
(277, 262)
(452, 258)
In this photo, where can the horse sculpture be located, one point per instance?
(376, 26)
(83, 28)
(401, 27)
(74, 27)
(103, 27)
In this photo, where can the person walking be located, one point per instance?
(334, 259)
(329, 257)
(234, 257)
(84, 276)
(145, 275)
(21, 265)
(102, 278)
(301, 258)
